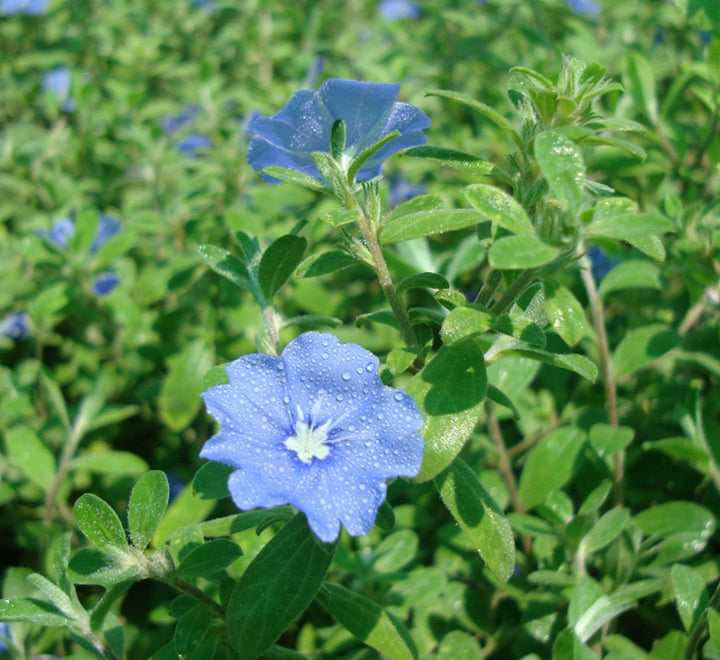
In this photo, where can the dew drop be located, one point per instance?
(380, 416)
(369, 367)
(286, 399)
(339, 397)
(359, 370)
(324, 356)
(398, 396)
(346, 375)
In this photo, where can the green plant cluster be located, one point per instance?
(550, 300)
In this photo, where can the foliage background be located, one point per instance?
(116, 378)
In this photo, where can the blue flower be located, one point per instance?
(60, 233)
(192, 143)
(304, 125)
(15, 326)
(401, 190)
(600, 263)
(173, 123)
(108, 226)
(314, 428)
(58, 81)
(4, 636)
(587, 7)
(105, 283)
(29, 7)
(397, 10)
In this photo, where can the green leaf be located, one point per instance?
(479, 517)
(605, 530)
(674, 518)
(338, 134)
(422, 281)
(449, 391)
(55, 595)
(276, 587)
(492, 114)
(367, 621)
(652, 246)
(691, 598)
(570, 361)
(291, 176)
(191, 629)
(230, 267)
(464, 322)
(209, 558)
(414, 205)
(211, 481)
(499, 207)
(606, 439)
(364, 155)
(94, 566)
(180, 394)
(30, 454)
(31, 611)
(562, 164)
(184, 510)
(639, 81)
(426, 223)
(520, 253)
(399, 360)
(550, 465)
(459, 645)
(279, 262)
(395, 551)
(633, 274)
(327, 262)
(641, 346)
(457, 160)
(498, 396)
(627, 226)
(148, 502)
(56, 397)
(99, 522)
(714, 627)
(565, 313)
(115, 463)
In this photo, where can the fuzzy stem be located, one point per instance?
(699, 632)
(598, 314)
(513, 291)
(383, 275)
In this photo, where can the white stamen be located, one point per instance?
(308, 442)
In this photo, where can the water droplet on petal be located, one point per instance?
(398, 396)
(324, 356)
(359, 370)
(346, 375)
(369, 367)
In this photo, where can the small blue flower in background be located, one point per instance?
(401, 190)
(304, 125)
(207, 5)
(397, 10)
(105, 283)
(600, 263)
(189, 145)
(58, 81)
(28, 7)
(173, 123)
(586, 7)
(193, 143)
(108, 226)
(314, 428)
(15, 326)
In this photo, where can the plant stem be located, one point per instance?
(504, 461)
(513, 291)
(488, 288)
(383, 275)
(598, 314)
(73, 440)
(185, 587)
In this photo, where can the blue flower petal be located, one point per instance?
(105, 283)
(325, 378)
(60, 233)
(364, 107)
(15, 326)
(108, 226)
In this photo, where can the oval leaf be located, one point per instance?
(520, 253)
(425, 223)
(148, 502)
(562, 164)
(209, 558)
(279, 262)
(499, 207)
(99, 522)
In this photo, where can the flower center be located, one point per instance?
(309, 442)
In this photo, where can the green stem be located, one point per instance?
(598, 314)
(74, 437)
(699, 632)
(514, 290)
(383, 275)
(185, 587)
(489, 287)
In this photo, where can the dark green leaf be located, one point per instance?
(641, 346)
(327, 262)
(191, 629)
(458, 160)
(279, 262)
(276, 587)
(565, 313)
(229, 266)
(498, 396)
(338, 134)
(211, 481)
(364, 155)
(422, 281)
(209, 558)
(570, 361)
(626, 226)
